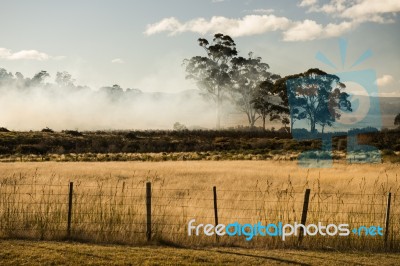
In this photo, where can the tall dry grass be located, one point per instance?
(109, 200)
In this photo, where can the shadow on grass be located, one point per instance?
(258, 257)
(335, 260)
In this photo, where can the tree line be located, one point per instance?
(62, 80)
(222, 75)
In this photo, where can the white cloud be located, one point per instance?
(26, 55)
(302, 31)
(4, 53)
(248, 25)
(378, 11)
(336, 30)
(333, 7)
(308, 2)
(352, 13)
(365, 8)
(311, 30)
(252, 25)
(384, 80)
(167, 24)
(117, 61)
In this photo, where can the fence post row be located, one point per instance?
(215, 210)
(148, 210)
(148, 213)
(387, 218)
(304, 213)
(71, 191)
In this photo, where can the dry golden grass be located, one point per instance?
(205, 174)
(109, 200)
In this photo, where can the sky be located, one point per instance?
(141, 44)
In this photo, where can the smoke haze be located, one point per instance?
(32, 107)
(32, 104)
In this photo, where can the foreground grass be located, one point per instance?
(108, 200)
(19, 252)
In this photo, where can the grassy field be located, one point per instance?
(108, 205)
(18, 252)
(205, 174)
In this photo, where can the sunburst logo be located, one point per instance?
(321, 102)
(343, 55)
(362, 88)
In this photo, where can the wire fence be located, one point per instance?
(134, 214)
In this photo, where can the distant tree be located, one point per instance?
(48, 130)
(285, 122)
(39, 77)
(397, 120)
(133, 91)
(5, 77)
(179, 127)
(261, 104)
(117, 88)
(211, 72)
(246, 75)
(20, 80)
(75, 133)
(324, 118)
(64, 79)
(279, 88)
(267, 102)
(19, 76)
(114, 92)
(316, 96)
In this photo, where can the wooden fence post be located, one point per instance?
(148, 210)
(215, 210)
(304, 213)
(387, 219)
(71, 191)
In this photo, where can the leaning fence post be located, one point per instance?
(71, 191)
(304, 214)
(148, 210)
(215, 210)
(387, 219)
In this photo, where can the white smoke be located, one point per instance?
(81, 108)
